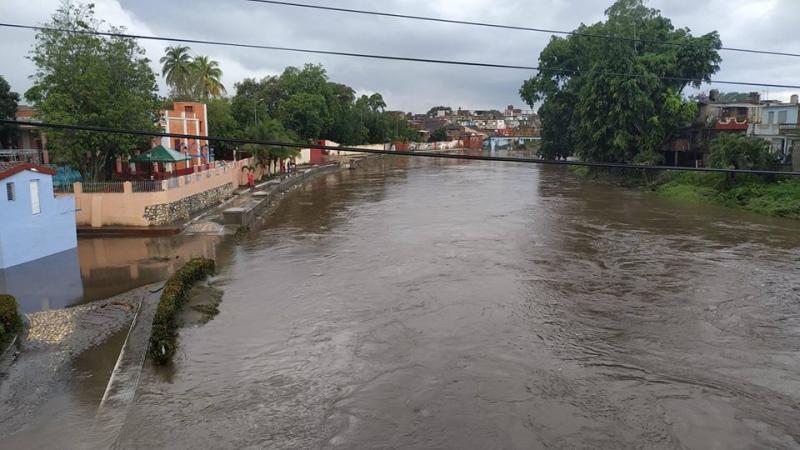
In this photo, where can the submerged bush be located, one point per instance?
(163, 337)
(10, 320)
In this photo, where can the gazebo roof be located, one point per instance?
(160, 154)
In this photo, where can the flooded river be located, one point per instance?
(489, 305)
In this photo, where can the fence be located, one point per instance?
(63, 188)
(97, 187)
(149, 185)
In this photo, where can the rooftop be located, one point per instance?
(9, 168)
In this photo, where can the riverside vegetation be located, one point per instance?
(10, 320)
(588, 112)
(765, 194)
(163, 340)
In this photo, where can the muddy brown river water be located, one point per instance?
(489, 305)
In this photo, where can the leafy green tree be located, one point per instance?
(269, 130)
(439, 135)
(207, 78)
(312, 106)
(589, 108)
(8, 108)
(435, 110)
(222, 123)
(178, 69)
(735, 151)
(91, 80)
(305, 114)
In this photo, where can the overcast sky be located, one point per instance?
(762, 24)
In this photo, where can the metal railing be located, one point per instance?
(63, 188)
(100, 187)
(147, 185)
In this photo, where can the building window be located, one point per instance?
(771, 116)
(36, 207)
(782, 117)
(188, 109)
(11, 193)
(777, 146)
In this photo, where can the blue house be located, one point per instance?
(34, 223)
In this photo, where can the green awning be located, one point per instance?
(161, 155)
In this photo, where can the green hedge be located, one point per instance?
(10, 320)
(165, 327)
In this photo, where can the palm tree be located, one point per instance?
(179, 70)
(207, 76)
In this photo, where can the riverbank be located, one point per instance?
(33, 383)
(52, 342)
(770, 197)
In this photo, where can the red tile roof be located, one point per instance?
(9, 168)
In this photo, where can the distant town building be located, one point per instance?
(779, 124)
(34, 223)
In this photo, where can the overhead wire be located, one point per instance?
(457, 156)
(512, 27)
(388, 57)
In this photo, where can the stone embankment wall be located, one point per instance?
(184, 208)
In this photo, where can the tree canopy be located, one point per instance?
(270, 130)
(306, 102)
(589, 109)
(8, 108)
(435, 110)
(439, 135)
(91, 80)
(735, 151)
(191, 78)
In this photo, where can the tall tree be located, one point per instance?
(8, 108)
(305, 114)
(207, 77)
(222, 123)
(94, 80)
(270, 130)
(179, 70)
(589, 108)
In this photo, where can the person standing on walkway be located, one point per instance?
(251, 180)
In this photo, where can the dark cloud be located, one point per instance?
(765, 24)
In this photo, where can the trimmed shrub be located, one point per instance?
(163, 339)
(10, 320)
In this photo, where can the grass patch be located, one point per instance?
(779, 198)
(10, 320)
(163, 339)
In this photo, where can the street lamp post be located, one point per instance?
(255, 111)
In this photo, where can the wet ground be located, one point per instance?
(486, 305)
(483, 305)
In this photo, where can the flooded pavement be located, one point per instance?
(488, 305)
(101, 268)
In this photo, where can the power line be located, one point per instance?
(97, 129)
(388, 57)
(512, 27)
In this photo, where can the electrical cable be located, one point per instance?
(97, 129)
(389, 57)
(513, 27)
